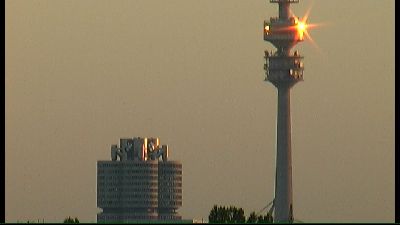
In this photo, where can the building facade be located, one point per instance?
(142, 185)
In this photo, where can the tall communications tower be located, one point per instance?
(283, 69)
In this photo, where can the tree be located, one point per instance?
(238, 215)
(213, 214)
(265, 219)
(70, 220)
(232, 214)
(252, 218)
(268, 218)
(222, 214)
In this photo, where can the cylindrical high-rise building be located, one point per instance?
(169, 189)
(142, 186)
(127, 190)
(283, 70)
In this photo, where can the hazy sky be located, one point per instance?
(80, 75)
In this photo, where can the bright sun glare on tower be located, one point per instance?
(302, 27)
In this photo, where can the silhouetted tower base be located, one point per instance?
(283, 70)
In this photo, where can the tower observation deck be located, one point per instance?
(283, 69)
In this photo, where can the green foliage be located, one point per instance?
(252, 218)
(70, 220)
(222, 214)
(232, 214)
(265, 219)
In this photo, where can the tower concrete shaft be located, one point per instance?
(283, 70)
(283, 180)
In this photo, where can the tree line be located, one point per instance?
(232, 214)
(70, 220)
